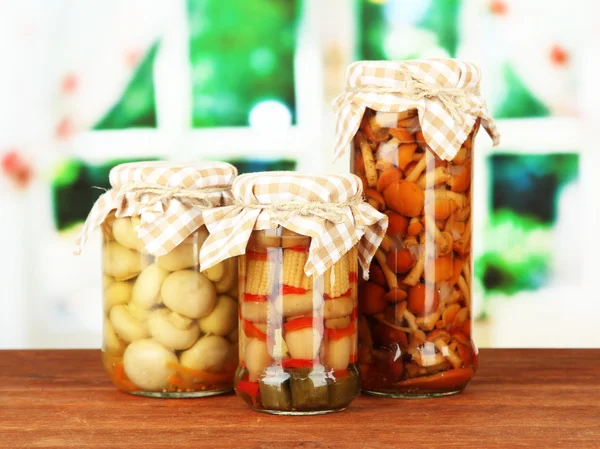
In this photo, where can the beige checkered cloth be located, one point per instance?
(444, 91)
(329, 208)
(169, 221)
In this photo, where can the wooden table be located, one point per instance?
(518, 399)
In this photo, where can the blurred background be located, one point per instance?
(87, 85)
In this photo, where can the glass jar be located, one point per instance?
(169, 329)
(298, 335)
(415, 311)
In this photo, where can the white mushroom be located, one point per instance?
(208, 354)
(337, 353)
(128, 323)
(257, 358)
(125, 233)
(120, 262)
(146, 364)
(230, 276)
(117, 293)
(111, 342)
(172, 330)
(106, 281)
(184, 255)
(303, 343)
(338, 307)
(254, 311)
(295, 304)
(216, 272)
(338, 323)
(146, 290)
(189, 293)
(222, 320)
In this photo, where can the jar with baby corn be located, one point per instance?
(170, 329)
(411, 128)
(299, 239)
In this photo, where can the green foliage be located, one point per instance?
(370, 31)
(75, 188)
(518, 101)
(136, 108)
(442, 19)
(241, 53)
(518, 253)
(255, 165)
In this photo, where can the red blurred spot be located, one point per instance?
(132, 57)
(16, 168)
(559, 55)
(64, 129)
(69, 83)
(498, 7)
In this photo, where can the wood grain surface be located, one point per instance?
(518, 399)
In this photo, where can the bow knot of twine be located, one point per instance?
(158, 193)
(334, 212)
(453, 99)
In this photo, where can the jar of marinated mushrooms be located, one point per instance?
(411, 128)
(170, 328)
(299, 239)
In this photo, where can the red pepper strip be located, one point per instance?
(252, 331)
(354, 314)
(242, 364)
(297, 363)
(339, 373)
(251, 389)
(289, 290)
(298, 323)
(347, 293)
(254, 255)
(249, 297)
(336, 334)
(302, 249)
(353, 358)
(353, 277)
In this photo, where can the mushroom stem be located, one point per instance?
(411, 320)
(390, 277)
(386, 243)
(414, 174)
(466, 270)
(428, 322)
(369, 161)
(417, 270)
(459, 198)
(455, 297)
(464, 288)
(442, 239)
(448, 353)
(428, 180)
(461, 245)
(463, 214)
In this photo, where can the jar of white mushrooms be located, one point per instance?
(170, 329)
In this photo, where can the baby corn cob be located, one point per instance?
(293, 269)
(352, 258)
(259, 277)
(337, 281)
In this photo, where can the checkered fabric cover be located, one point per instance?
(167, 223)
(256, 195)
(389, 86)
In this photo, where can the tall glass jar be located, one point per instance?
(298, 335)
(415, 311)
(170, 330)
